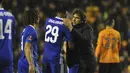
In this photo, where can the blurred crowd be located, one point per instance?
(97, 11)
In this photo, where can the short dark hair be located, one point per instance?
(109, 22)
(80, 12)
(61, 8)
(30, 17)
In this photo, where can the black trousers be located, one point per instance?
(87, 65)
(109, 68)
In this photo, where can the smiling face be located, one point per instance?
(76, 19)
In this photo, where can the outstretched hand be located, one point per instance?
(68, 23)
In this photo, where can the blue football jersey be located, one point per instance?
(7, 32)
(29, 34)
(55, 34)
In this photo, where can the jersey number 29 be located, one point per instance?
(6, 29)
(54, 32)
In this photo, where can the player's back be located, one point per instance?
(7, 31)
(109, 52)
(29, 34)
(55, 32)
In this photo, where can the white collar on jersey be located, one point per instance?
(32, 26)
(1, 8)
(59, 18)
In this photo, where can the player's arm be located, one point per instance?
(67, 44)
(28, 54)
(68, 38)
(99, 44)
(64, 46)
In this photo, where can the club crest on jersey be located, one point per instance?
(30, 38)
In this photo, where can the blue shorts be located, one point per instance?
(51, 66)
(6, 69)
(23, 68)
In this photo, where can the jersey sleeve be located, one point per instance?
(31, 38)
(99, 39)
(67, 34)
(99, 43)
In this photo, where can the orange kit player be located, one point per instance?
(108, 47)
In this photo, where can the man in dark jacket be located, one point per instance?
(82, 37)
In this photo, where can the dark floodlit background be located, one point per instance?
(97, 12)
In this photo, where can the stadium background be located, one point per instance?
(97, 12)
